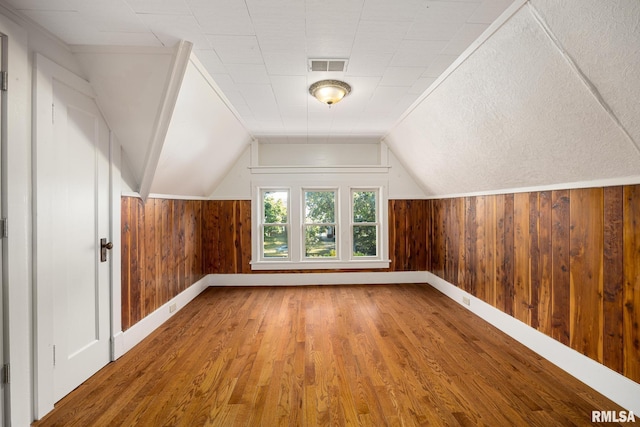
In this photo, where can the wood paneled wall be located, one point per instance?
(227, 233)
(408, 230)
(167, 245)
(162, 247)
(564, 262)
(227, 237)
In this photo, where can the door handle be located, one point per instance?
(104, 247)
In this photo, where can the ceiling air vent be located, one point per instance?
(327, 65)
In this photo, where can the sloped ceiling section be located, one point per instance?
(131, 84)
(204, 140)
(604, 42)
(550, 98)
(178, 133)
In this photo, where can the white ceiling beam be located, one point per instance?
(163, 118)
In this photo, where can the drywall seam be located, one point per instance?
(580, 74)
(161, 126)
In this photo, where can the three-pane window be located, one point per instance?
(331, 226)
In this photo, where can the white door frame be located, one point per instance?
(46, 70)
(17, 269)
(3, 142)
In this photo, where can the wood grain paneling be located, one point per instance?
(560, 275)
(408, 230)
(162, 250)
(545, 286)
(521, 261)
(509, 253)
(566, 262)
(126, 260)
(613, 279)
(587, 248)
(631, 251)
(227, 236)
(489, 254)
(470, 262)
(167, 245)
(437, 238)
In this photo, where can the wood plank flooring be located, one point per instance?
(396, 355)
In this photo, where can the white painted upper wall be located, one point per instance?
(325, 159)
(130, 83)
(517, 113)
(333, 154)
(204, 139)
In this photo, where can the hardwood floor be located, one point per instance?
(328, 355)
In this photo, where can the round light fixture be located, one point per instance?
(329, 91)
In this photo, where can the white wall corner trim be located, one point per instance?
(611, 384)
(163, 118)
(125, 341)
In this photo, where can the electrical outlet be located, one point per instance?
(172, 307)
(466, 300)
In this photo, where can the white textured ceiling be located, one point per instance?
(257, 51)
(551, 98)
(547, 96)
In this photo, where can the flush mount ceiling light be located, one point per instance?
(329, 91)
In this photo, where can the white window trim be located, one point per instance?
(343, 185)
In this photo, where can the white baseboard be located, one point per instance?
(296, 279)
(609, 383)
(125, 341)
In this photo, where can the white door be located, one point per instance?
(72, 217)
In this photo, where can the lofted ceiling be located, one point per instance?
(257, 51)
(471, 96)
(550, 98)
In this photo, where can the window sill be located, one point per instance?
(319, 265)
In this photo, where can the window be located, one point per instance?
(320, 226)
(325, 226)
(365, 224)
(275, 224)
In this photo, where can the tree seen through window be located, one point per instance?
(320, 223)
(275, 224)
(365, 228)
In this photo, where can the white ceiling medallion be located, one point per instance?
(329, 91)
